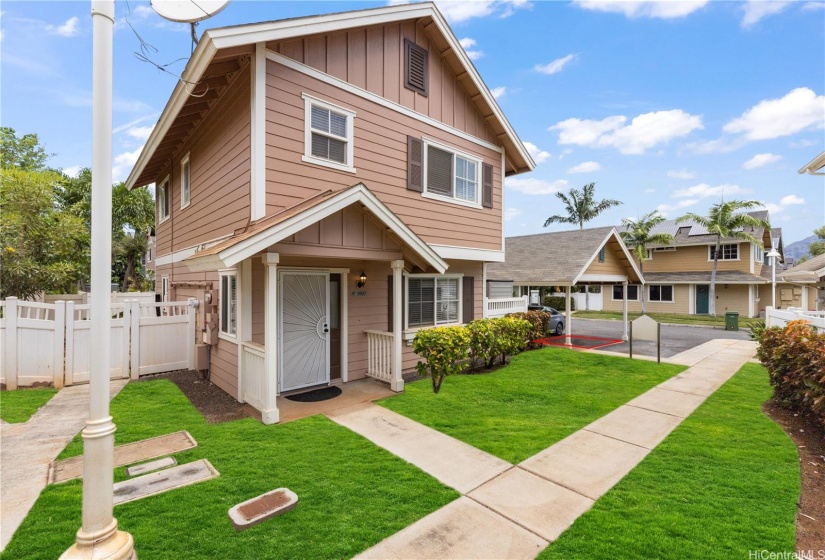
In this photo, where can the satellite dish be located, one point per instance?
(188, 11)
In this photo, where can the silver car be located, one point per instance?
(556, 321)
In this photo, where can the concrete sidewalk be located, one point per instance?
(518, 512)
(27, 449)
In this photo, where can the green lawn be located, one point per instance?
(19, 405)
(718, 321)
(723, 483)
(352, 494)
(540, 398)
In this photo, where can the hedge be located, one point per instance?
(557, 303)
(539, 324)
(795, 359)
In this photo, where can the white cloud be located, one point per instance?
(803, 143)
(648, 191)
(140, 132)
(538, 155)
(555, 66)
(811, 6)
(511, 213)
(457, 11)
(666, 209)
(535, 186)
(784, 202)
(761, 160)
(644, 131)
(123, 164)
(662, 9)
(586, 167)
(70, 28)
(498, 92)
(467, 44)
(719, 146)
(800, 109)
(703, 190)
(681, 174)
(72, 171)
(755, 10)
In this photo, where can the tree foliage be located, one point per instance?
(24, 152)
(637, 236)
(581, 206)
(818, 247)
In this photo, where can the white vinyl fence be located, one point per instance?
(500, 307)
(51, 342)
(589, 302)
(781, 317)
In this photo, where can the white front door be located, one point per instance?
(304, 340)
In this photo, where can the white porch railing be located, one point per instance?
(781, 317)
(253, 366)
(503, 306)
(379, 355)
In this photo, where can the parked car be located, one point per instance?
(555, 323)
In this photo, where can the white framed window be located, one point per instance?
(185, 187)
(451, 175)
(727, 252)
(163, 200)
(632, 292)
(664, 249)
(663, 294)
(649, 256)
(758, 253)
(228, 303)
(328, 134)
(433, 300)
(164, 288)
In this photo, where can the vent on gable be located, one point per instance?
(415, 67)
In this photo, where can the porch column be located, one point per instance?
(397, 383)
(568, 319)
(624, 309)
(269, 414)
(804, 298)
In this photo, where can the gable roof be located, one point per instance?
(272, 229)
(225, 50)
(559, 258)
(688, 232)
(812, 269)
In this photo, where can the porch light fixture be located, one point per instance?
(362, 281)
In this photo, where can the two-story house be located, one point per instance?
(326, 186)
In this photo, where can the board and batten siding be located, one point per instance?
(380, 158)
(372, 58)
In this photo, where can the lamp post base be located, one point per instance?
(109, 544)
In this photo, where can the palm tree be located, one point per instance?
(581, 208)
(724, 221)
(637, 235)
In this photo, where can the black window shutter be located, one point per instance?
(487, 185)
(415, 164)
(390, 316)
(416, 62)
(468, 299)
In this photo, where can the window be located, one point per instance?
(184, 182)
(163, 200)
(663, 249)
(433, 300)
(164, 288)
(758, 253)
(632, 292)
(649, 256)
(416, 61)
(451, 175)
(329, 134)
(661, 293)
(229, 304)
(726, 252)
(602, 254)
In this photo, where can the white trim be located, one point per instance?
(168, 195)
(186, 163)
(468, 253)
(711, 248)
(348, 114)
(456, 276)
(164, 288)
(814, 166)
(456, 153)
(257, 136)
(602, 278)
(503, 201)
(691, 299)
(613, 232)
(222, 298)
(672, 293)
(369, 96)
(751, 297)
(649, 256)
(626, 287)
(183, 254)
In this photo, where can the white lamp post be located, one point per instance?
(773, 254)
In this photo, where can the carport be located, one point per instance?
(594, 256)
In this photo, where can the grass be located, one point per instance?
(678, 318)
(540, 398)
(18, 406)
(352, 494)
(722, 484)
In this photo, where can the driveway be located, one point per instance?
(675, 338)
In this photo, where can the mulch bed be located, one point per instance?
(213, 403)
(810, 442)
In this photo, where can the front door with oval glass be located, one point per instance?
(304, 329)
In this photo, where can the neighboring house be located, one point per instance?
(330, 185)
(802, 286)
(678, 275)
(815, 166)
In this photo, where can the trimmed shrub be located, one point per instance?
(539, 324)
(482, 341)
(557, 303)
(444, 349)
(795, 358)
(510, 337)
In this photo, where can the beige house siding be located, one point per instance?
(681, 301)
(695, 258)
(611, 265)
(372, 58)
(790, 295)
(380, 158)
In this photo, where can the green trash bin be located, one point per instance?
(732, 321)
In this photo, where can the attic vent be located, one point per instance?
(415, 67)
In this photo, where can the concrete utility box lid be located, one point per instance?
(645, 328)
(258, 509)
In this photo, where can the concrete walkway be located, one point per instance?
(27, 449)
(518, 511)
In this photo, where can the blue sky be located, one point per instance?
(665, 105)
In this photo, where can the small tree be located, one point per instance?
(581, 206)
(637, 235)
(444, 349)
(24, 152)
(817, 247)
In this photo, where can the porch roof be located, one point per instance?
(812, 270)
(259, 235)
(703, 277)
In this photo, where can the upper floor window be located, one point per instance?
(433, 300)
(451, 174)
(649, 255)
(416, 62)
(758, 253)
(184, 182)
(727, 252)
(228, 303)
(632, 292)
(163, 200)
(328, 134)
(602, 254)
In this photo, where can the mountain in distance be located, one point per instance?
(799, 248)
